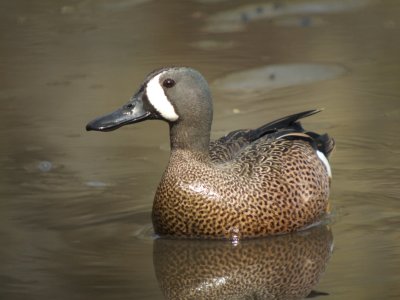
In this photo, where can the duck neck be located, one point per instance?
(193, 138)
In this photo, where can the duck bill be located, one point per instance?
(133, 112)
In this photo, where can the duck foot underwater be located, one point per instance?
(250, 183)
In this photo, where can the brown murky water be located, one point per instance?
(75, 206)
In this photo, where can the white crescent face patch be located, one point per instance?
(158, 99)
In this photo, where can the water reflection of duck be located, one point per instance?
(281, 267)
(270, 180)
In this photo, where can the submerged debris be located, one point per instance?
(277, 76)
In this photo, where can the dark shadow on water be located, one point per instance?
(282, 267)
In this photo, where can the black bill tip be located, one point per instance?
(132, 112)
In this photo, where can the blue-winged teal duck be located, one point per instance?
(270, 180)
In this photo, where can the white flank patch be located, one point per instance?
(323, 158)
(155, 94)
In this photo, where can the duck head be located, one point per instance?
(177, 95)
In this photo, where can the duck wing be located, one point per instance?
(227, 147)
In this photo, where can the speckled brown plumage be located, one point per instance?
(271, 186)
(249, 183)
(285, 267)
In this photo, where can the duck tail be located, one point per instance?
(290, 127)
(324, 142)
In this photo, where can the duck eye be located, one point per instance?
(168, 83)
